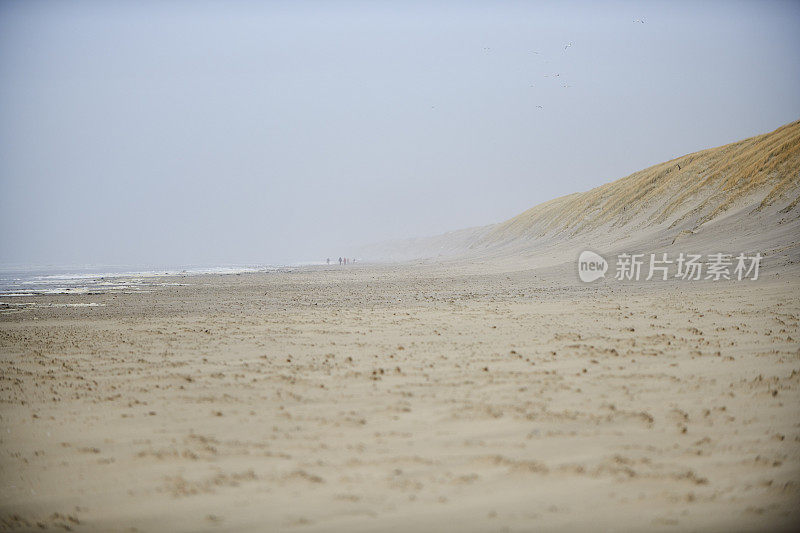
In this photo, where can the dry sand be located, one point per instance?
(421, 397)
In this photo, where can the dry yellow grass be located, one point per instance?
(694, 188)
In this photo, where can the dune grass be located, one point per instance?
(697, 188)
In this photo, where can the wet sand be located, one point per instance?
(404, 398)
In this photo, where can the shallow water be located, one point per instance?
(94, 279)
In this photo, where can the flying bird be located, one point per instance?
(567, 45)
(639, 20)
(539, 107)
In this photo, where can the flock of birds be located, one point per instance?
(566, 47)
(564, 84)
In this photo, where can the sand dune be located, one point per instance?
(754, 182)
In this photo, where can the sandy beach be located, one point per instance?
(424, 267)
(396, 398)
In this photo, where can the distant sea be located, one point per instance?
(18, 280)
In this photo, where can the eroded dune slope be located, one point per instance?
(754, 182)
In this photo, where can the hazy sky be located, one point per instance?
(207, 132)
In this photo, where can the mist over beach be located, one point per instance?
(371, 266)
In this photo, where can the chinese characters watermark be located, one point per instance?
(663, 266)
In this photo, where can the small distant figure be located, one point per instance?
(641, 20)
(328, 260)
(567, 46)
(340, 261)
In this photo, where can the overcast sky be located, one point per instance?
(173, 133)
